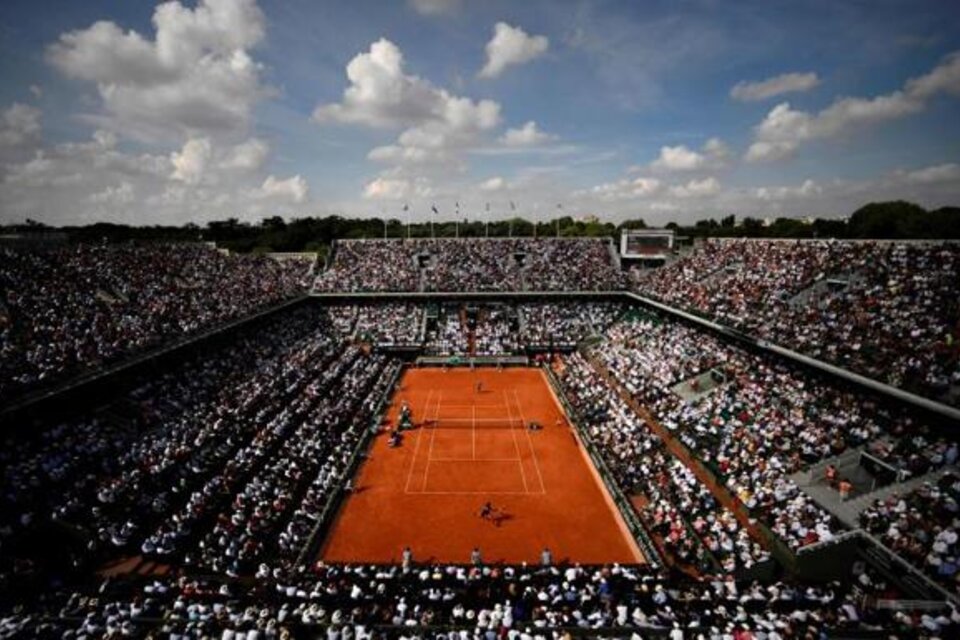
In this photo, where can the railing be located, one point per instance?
(627, 511)
(904, 565)
(337, 495)
(77, 383)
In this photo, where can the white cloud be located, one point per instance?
(809, 188)
(247, 156)
(526, 136)
(384, 188)
(82, 182)
(697, 188)
(949, 172)
(511, 46)
(293, 189)
(680, 158)
(775, 86)
(121, 194)
(382, 95)
(496, 183)
(195, 77)
(190, 163)
(625, 189)
(36, 91)
(19, 125)
(784, 129)
(435, 7)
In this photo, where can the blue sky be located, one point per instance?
(141, 113)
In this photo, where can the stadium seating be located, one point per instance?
(67, 310)
(852, 303)
(213, 473)
(477, 264)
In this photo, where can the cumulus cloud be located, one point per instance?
(496, 183)
(713, 155)
(293, 189)
(807, 189)
(121, 194)
(784, 129)
(696, 188)
(529, 135)
(949, 172)
(190, 163)
(511, 46)
(19, 125)
(385, 188)
(775, 86)
(195, 77)
(381, 94)
(94, 180)
(247, 156)
(625, 189)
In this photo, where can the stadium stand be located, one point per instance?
(477, 264)
(193, 502)
(852, 303)
(66, 310)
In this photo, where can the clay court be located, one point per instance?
(469, 447)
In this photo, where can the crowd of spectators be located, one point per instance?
(565, 324)
(222, 463)
(754, 420)
(688, 522)
(388, 324)
(515, 602)
(855, 304)
(922, 527)
(450, 336)
(495, 331)
(371, 265)
(472, 264)
(67, 309)
(225, 464)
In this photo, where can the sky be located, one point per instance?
(189, 111)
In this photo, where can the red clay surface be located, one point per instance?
(427, 493)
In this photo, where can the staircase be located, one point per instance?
(812, 483)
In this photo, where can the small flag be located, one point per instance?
(434, 208)
(488, 206)
(513, 207)
(406, 207)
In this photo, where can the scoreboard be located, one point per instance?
(646, 244)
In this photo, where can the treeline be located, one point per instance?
(876, 220)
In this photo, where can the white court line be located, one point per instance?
(433, 434)
(536, 464)
(473, 460)
(473, 435)
(516, 445)
(416, 448)
(474, 493)
(479, 404)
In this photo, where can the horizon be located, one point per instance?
(184, 112)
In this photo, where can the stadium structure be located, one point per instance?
(481, 437)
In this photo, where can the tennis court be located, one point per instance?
(473, 443)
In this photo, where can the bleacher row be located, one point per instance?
(69, 309)
(888, 310)
(477, 264)
(495, 329)
(217, 471)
